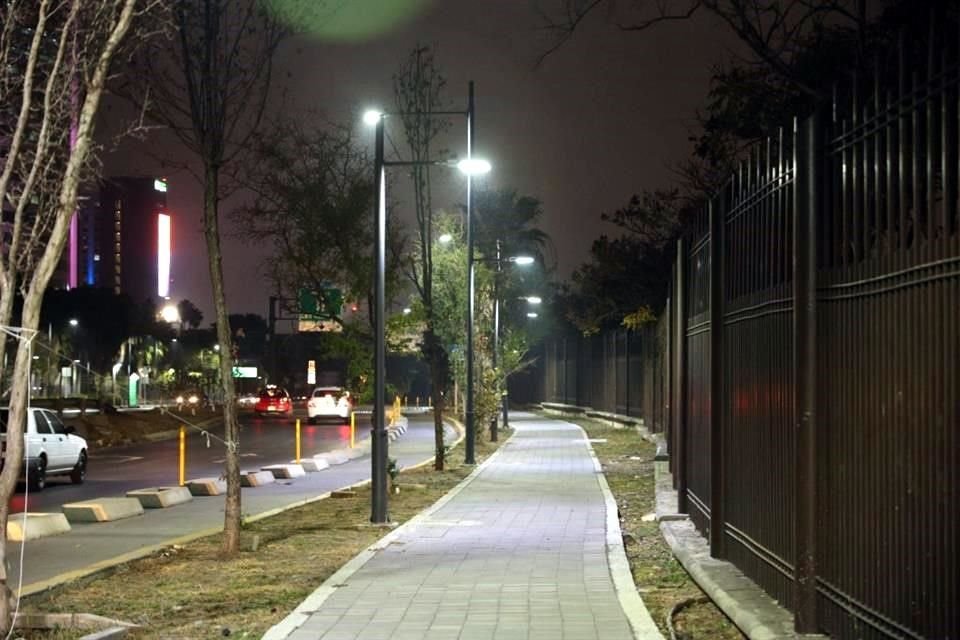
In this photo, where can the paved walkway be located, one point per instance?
(527, 547)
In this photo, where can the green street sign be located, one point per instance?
(325, 305)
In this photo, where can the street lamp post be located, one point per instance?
(470, 166)
(496, 342)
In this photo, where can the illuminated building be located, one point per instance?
(124, 241)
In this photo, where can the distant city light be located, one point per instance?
(163, 255)
(371, 117)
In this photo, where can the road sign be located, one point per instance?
(244, 372)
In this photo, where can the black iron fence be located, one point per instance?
(812, 348)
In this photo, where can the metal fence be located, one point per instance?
(812, 346)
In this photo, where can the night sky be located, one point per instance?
(600, 119)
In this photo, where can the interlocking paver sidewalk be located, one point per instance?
(527, 547)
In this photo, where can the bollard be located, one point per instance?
(405, 401)
(298, 440)
(183, 455)
(418, 402)
(353, 427)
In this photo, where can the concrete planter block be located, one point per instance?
(256, 478)
(286, 471)
(320, 462)
(30, 526)
(311, 465)
(102, 510)
(161, 497)
(206, 486)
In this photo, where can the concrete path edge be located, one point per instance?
(644, 628)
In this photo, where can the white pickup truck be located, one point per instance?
(50, 448)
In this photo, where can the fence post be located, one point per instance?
(807, 211)
(717, 213)
(681, 373)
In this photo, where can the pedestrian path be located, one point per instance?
(527, 547)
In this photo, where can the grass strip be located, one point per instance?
(628, 465)
(193, 592)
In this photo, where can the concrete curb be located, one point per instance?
(313, 602)
(644, 628)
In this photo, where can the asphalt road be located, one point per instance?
(263, 441)
(89, 547)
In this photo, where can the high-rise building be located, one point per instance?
(124, 239)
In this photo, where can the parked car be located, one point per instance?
(329, 402)
(50, 448)
(274, 400)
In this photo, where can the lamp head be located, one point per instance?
(445, 238)
(534, 299)
(531, 314)
(522, 260)
(371, 117)
(474, 166)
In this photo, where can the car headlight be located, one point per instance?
(179, 400)
(194, 399)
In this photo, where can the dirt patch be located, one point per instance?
(627, 462)
(193, 592)
(115, 429)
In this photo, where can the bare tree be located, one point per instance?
(55, 56)
(418, 91)
(774, 32)
(209, 84)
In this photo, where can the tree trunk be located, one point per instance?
(211, 231)
(436, 389)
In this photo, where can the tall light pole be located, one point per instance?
(469, 456)
(378, 471)
(470, 166)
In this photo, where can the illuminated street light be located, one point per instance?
(522, 260)
(534, 299)
(445, 238)
(470, 167)
(531, 314)
(407, 311)
(170, 314)
(473, 166)
(74, 322)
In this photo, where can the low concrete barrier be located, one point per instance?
(206, 486)
(30, 526)
(312, 465)
(161, 497)
(256, 478)
(102, 510)
(286, 471)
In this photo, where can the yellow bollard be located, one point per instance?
(183, 455)
(353, 427)
(298, 440)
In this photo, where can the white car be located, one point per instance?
(329, 402)
(50, 448)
